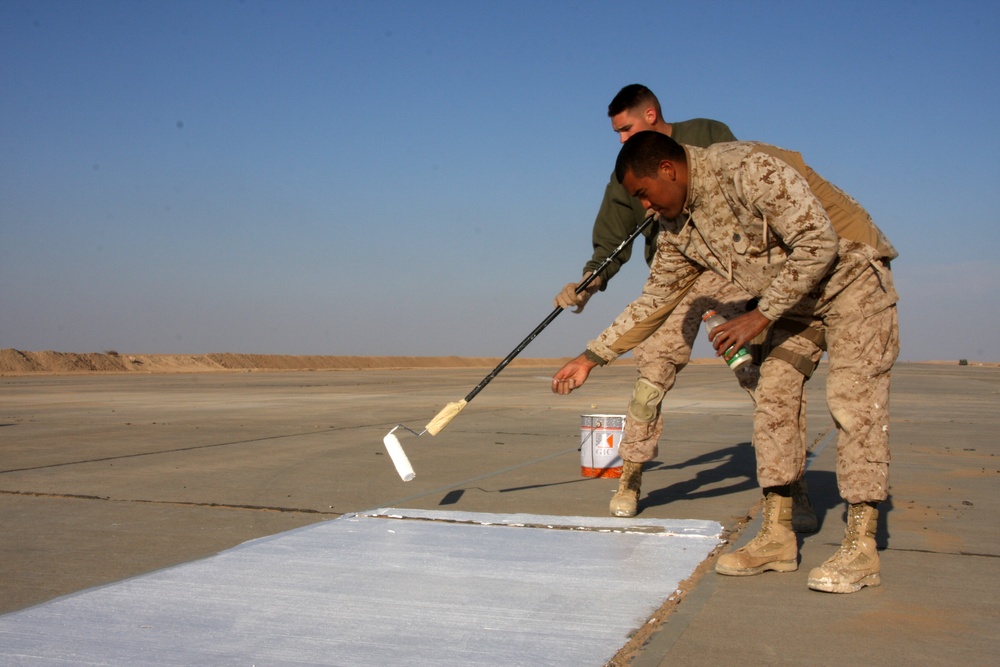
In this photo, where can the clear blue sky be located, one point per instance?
(420, 178)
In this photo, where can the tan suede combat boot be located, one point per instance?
(775, 547)
(803, 516)
(626, 500)
(856, 563)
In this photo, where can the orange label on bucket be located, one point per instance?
(600, 436)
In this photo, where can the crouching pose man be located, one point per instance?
(759, 216)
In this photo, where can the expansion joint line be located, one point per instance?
(176, 503)
(158, 452)
(971, 554)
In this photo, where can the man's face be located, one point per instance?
(630, 121)
(664, 192)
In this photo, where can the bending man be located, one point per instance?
(668, 350)
(760, 217)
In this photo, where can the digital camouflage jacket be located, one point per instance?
(759, 216)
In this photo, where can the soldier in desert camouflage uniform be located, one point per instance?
(760, 217)
(667, 350)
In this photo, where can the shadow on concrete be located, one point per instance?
(542, 486)
(826, 500)
(734, 463)
(823, 493)
(882, 531)
(452, 497)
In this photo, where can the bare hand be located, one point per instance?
(572, 375)
(568, 297)
(737, 332)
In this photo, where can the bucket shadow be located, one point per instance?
(734, 463)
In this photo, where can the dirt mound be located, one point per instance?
(16, 362)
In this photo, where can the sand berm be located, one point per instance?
(16, 362)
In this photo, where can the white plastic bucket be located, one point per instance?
(600, 436)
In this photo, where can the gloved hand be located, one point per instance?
(568, 296)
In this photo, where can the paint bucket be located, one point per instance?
(600, 436)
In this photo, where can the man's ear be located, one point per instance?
(651, 116)
(667, 170)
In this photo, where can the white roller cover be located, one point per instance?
(398, 456)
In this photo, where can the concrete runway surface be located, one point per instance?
(107, 477)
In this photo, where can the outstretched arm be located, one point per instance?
(573, 374)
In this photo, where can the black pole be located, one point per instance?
(555, 313)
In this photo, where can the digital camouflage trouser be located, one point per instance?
(861, 346)
(790, 353)
(781, 409)
(661, 356)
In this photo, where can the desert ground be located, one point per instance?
(117, 465)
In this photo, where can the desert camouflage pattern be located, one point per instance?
(763, 225)
(755, 220)
(862, 345)
(779, 420)
(668, 350)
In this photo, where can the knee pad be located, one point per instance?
(645, 403)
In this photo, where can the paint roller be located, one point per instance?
(451, 410)
(398, 456)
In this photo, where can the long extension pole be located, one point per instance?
(451, 410)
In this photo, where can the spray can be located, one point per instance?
(712, 319)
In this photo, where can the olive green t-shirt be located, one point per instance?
(621, 213)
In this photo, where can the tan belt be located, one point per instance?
(761, 349)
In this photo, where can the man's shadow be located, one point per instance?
(827, 503)
(736, 463)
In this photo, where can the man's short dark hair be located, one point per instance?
(644, 151)
(632, 96)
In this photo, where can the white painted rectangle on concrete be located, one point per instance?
(388, 587)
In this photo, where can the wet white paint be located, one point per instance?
(389, 587)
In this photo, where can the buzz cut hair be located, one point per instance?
(632, 96)
(643, 153)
